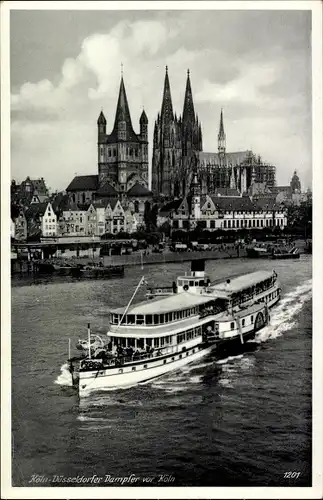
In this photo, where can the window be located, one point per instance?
(251, 319)
(243, 322)
(133, 368)
(156, 319)
(232, 325)
(149, 319)
(121, 370)
(165, 361)
(145, 366)
(173, 359)
(140, 319)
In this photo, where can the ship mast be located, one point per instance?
(129, 303)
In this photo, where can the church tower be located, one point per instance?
(165, 146)
(221, 142)
(195, 192)
(191, 137)
(123, 154)
(177, 142)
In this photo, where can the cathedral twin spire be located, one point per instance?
(167, 113)
(188, 109)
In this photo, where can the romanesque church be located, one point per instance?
(122, 159)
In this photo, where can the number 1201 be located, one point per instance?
(291, 475)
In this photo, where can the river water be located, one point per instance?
(240, 421)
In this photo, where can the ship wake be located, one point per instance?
(64, 378)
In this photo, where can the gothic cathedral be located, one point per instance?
(176, 144)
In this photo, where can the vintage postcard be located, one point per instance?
(161, 249)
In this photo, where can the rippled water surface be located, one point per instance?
(240, 421)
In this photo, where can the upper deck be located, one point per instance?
(174, 302)
(242, 283)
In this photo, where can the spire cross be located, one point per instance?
(121, 69)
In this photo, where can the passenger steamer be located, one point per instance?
(175, 326)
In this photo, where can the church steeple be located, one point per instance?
(188, 109)
(102, 124)
(122, 111)
(221, 137)
(167, 114)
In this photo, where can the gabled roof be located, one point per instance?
(106, 190)
(138, 190)
(235, 158)
(60, 201)
(36, 209)
(234, 203)
(84, 183)
(113, 203)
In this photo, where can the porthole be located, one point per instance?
(121, 370)
(173, 359)
(145, 366)
(133, 368)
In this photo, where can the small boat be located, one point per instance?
(283, 254)
(165, 333)
(93, 271)
(258, 252)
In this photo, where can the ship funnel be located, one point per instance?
(198, 268)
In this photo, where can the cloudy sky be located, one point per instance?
(65, 67)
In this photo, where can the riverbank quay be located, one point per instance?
(142, 258)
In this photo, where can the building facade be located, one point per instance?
(212, 213)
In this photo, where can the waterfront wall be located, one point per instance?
(138, 259)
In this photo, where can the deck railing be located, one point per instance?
(159, 291)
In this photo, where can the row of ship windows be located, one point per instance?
(153, 319)
(173, 358)
(158, 342)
